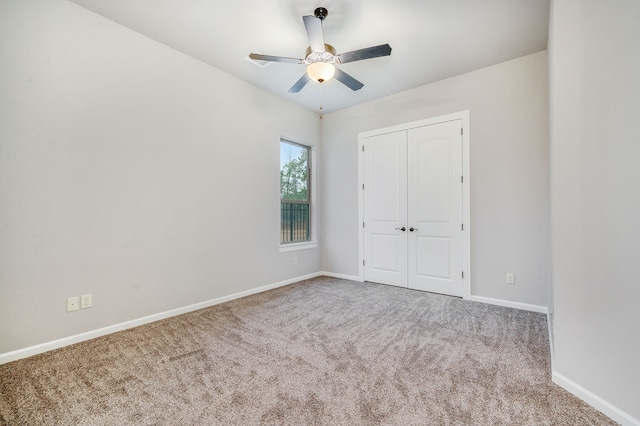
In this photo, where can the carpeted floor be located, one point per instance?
(322, 351)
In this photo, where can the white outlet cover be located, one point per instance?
(85, 301)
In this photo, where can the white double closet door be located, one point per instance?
(412, 200)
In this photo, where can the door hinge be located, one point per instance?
(362, 262)
(363, 224)
(461, 131)
(462, 226)
(461, 179)
(462, 274)
(362, 148)
(363, 186)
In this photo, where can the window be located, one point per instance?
(295, 193)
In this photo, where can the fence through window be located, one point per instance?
(294, 223)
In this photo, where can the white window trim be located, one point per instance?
(298, 246)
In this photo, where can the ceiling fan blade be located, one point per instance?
(314, 32)
(347, 80)
(260, 57)
(367, 53)
(300, 83)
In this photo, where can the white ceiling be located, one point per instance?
(431, 39)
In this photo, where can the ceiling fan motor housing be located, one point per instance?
(321, 13)
(328, 55)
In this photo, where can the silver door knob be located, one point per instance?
(413, 229)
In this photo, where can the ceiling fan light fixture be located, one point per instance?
(321, 71)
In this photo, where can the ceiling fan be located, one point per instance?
(321, 58)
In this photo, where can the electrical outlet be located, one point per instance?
(511, 278)
(72, 304)
(85, 301)
(295, 260)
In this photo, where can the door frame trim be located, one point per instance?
(466, 188)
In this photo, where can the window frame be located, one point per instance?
(311, 242)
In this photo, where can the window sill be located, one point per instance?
(298, 246)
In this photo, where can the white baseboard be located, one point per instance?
(66, 341)
(341, 276)
(594, 400)
(510, 304)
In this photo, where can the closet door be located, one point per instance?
(435, 208)
(412, 199)
(385, 208)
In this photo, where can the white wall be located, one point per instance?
(129, 171)
(595, 200)
(508, 106)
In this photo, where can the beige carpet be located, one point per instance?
(323, 351)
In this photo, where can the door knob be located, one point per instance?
(402, 229)
(413, 229)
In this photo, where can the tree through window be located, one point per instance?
(294, 193)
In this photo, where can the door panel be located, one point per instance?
(385, 209)
(385, 250)
(433, 179)
(385, 184)
(435, 208)
(434, 257)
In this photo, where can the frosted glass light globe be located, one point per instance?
(321, 71)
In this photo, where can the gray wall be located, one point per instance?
(508, 106)
(595, 197)
(129, 171)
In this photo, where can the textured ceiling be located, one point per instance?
(431, 39)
